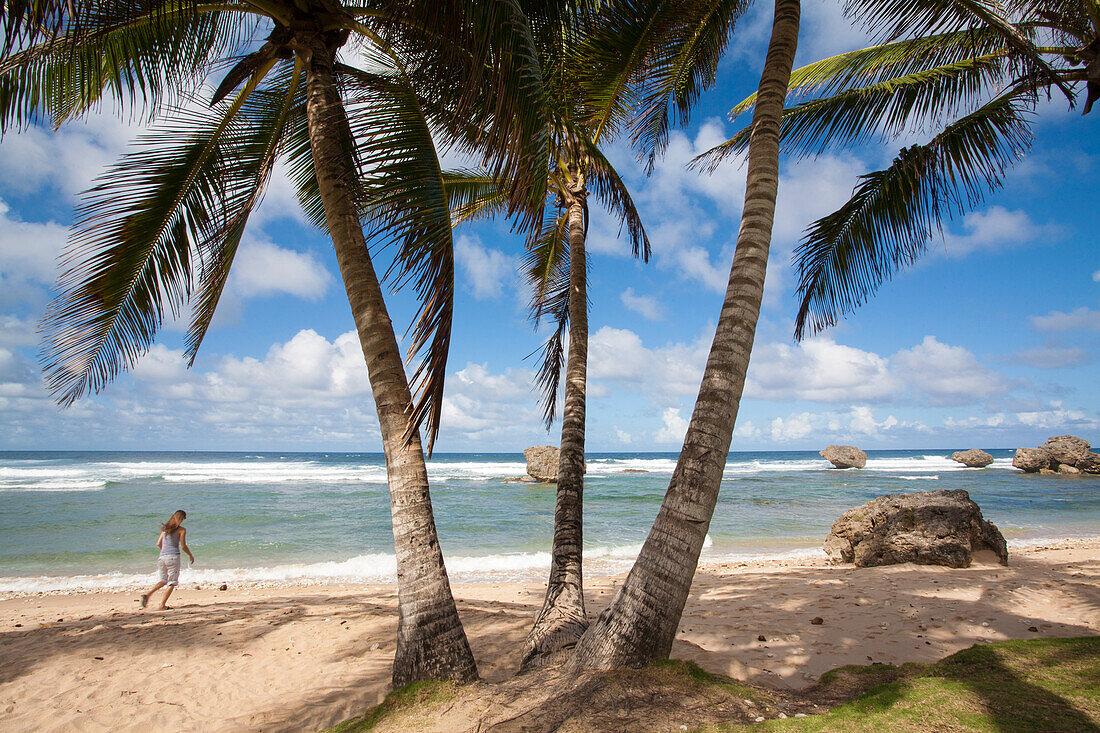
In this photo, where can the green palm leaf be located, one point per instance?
(268, 113)
(547, 267)
(881, 110)
(133, 245)
(407, 203)
(887, 223)
(153, 55)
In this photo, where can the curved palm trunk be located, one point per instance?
(562, 620)
(431, 643)
(641, 622)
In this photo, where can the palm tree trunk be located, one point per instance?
(562, 620)
(641, 622)
(431, 643)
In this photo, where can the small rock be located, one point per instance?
(761, 638)
(1033, 628)
(60, 620)
(782, 716)
(18, 625)
(759, 718)
(99, 658)
(374, 647)
(224, 587)
(800, 715)
(817, 621)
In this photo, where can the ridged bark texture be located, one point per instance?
(641, 622)
(562, 620)
(431, 643)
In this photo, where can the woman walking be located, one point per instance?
(173, 538)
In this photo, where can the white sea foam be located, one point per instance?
(917, 478)
(371, 568)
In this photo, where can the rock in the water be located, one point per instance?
(973, 458)
(927, 528)
(844, 456)
(1090, 463)
(1031, 460)
(1067, 449)
(1066, 468)
(542, 462)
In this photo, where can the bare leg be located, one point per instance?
(154, 589)
(167, 593)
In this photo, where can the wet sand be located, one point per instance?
(306, 657)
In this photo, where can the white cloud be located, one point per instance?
(1079, 319)
(485, 268)
(1096, 276)
(616, 354)
(262, 268)
(28, 256)
(856, 423)
(945, 375)
(819, 370)
(69, 158)
(644, 305)
(673, 427)
(1052, 357)
(993, 229)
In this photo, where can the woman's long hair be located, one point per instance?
(174, 522)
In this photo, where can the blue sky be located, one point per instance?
(991, 340)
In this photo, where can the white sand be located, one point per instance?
(310, 656)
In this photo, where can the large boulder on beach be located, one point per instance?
(1067, 449)
(542, 462)
(844, 456)
(1089, 463)
(928, 528)
(1032, 460)
(973, 458)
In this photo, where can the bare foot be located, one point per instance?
(163, 608)
(144, 600)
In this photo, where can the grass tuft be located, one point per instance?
(408, 699)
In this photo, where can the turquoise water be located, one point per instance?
(91, 519)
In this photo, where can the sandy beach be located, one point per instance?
(305, 657)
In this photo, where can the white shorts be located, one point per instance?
(168, 569)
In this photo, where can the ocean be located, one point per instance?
(72, 520)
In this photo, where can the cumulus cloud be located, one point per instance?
(946, 375)
(673, 427)
(644, 305)
(818, 370)
(1052, 357)
(485, 268)
(993, 229)
(856, 423)
(263, 268)
(28, 256)
(616, 354)
(1079, 319)
(1096, 276)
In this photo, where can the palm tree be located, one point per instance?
(359, 145)
(976, 86)
(607, 72)
(641, 621)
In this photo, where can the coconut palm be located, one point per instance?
(641, 621)
(613, 71)
(975, 87)
(161, 228)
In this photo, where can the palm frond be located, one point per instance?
(268, 113)
(406, 203)
(683, 64)
(133, 244)
(609, 188)
(881, 110)
(546, 265)
(474, 196)
(147, 56)
(894, 19)
(887, 223)
(866, 66)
